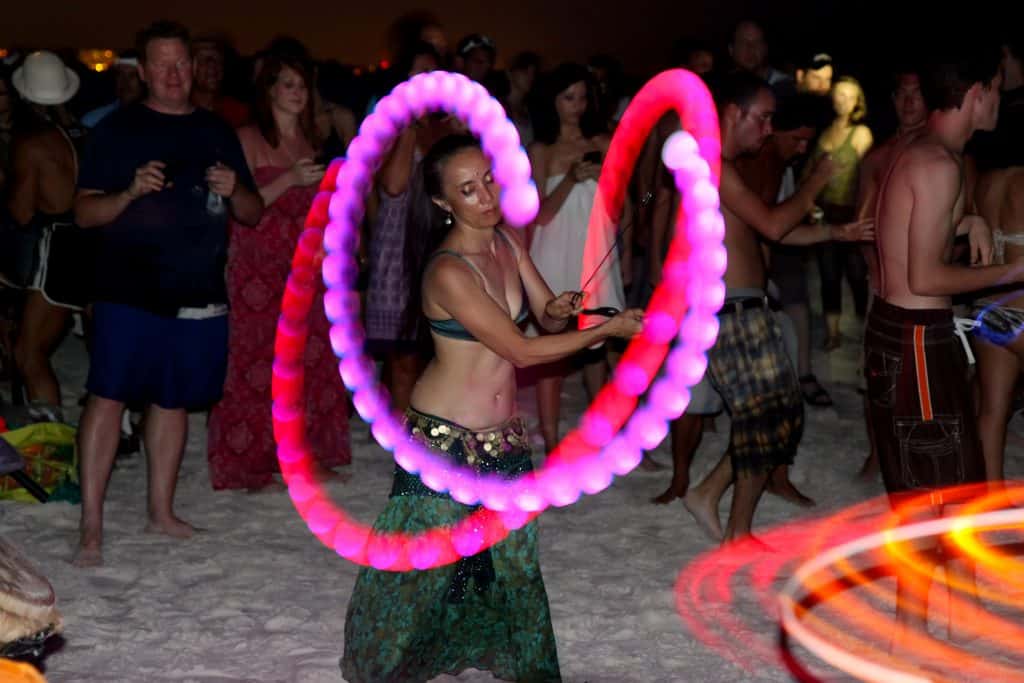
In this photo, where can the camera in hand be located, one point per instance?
(593, 157)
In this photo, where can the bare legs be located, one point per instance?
(42, 326)
(702, 501)
(998, 369)
(686, 432)
(98, 436)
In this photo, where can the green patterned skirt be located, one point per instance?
(488, 612)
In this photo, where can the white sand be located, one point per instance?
(257, 598)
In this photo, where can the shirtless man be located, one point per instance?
(748, 365)
(42, 192)
(999, 198)
(912, 114)
(921, 412)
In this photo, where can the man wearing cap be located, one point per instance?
(44, 167)
(814, 75)
(474, 57)
(158, 183)
(127, 86)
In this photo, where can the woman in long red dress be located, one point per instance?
(280, 148)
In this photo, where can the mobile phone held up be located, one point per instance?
(593, 157)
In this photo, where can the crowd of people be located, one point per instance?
(166, 219)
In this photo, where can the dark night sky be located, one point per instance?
(640, 32)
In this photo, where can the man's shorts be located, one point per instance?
(141, 358)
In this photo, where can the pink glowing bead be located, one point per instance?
(514, 519)
(679, 147)
(712, 260)
(340, 270)
(290, 343)
(659, 328)
(527, 496)
(288, 455)
(424, 553)
(647, 429)
(301, 490)
(433, 476)
(512, 169)
(382, 551)
(385, 432)
(379, 128)
(286, 382)
(668, 400)
(687, 366)
(494, 497)
(706, 226)
(485, 115)
(356, 372)
(322, 518)
(341, 306)
(702, 196)
(623, 456)
(368, 403)
(345, 341)
(350, 541)
(393, 110)
(595, 477)
(700, 331)
(288, 423)
(503, 140)
(631, 379)
(406, 456)
(520, 204)
(596, 429)
(463, 492)
(468, 539)
(557, 486)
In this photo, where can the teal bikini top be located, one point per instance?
(452, 328)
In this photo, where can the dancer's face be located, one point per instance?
(469, 191)
(986, 103)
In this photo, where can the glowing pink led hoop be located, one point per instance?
(590, 455)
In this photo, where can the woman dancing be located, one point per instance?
(1000, 200)
(489, 611)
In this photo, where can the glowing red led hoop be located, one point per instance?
(587, 459)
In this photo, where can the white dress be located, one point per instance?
(566, 260)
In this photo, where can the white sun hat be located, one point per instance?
(43, 79)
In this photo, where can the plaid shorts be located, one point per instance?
(751, 370)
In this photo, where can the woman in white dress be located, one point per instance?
(566, 158)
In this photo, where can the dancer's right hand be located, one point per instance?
(307, 172)
(627, 324)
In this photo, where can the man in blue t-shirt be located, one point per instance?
(158, 183)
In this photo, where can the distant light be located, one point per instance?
(3, 52)
(385, 64)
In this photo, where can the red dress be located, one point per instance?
(241, 447)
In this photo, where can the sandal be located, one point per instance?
(817, 396)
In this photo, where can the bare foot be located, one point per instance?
(671, 493)
(173, 527)
(89, 553)
(704, 513)
(787, 491)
